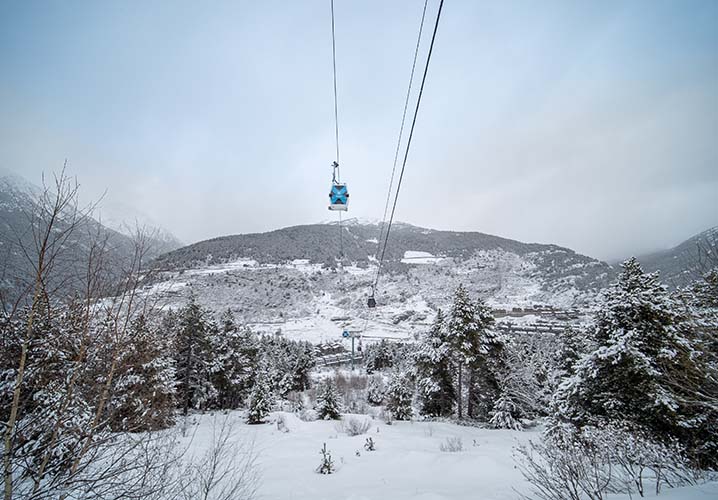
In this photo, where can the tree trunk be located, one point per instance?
(470, 395)
(458, 394)
(188, 364)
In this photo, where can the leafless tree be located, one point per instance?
(67, 447)
(227, 471)
(52, 222)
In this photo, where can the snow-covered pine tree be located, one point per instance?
(304, 361)
(477, 350)
(502, 416)
(625, 378)
(697, 384)
(261, 398)
(375, 390)
(144, 387)
(433, 371)
(232, 366)
(194, 360)
(290, 363)
(58, 389)
(378, 357)
(328, 406)
(399, 396)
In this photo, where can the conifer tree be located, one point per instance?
(328, 407)
(502, 416)
(432, 369)
(639, 342)
(696, 385)
(375, 390)
(144, 388)
(232, 366)
(194, 358)
(476, 349)
(399, 397)
(261, 398)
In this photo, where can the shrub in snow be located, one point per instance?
(354, 426)
(228, 470)
(502, 417)
(328, 402)
(326, 466)
(452, 445)
(398, 397)
(282, 423)
(593, 462)
(563, 470)
(369, 444)
(307, 415)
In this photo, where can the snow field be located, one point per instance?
(407, 463)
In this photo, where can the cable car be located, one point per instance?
(371, 302)
(339, 195)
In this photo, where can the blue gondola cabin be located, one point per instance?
(338, 197)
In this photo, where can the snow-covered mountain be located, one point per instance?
(687, 261)
(18, 200)
(293, 279)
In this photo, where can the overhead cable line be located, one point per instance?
(336, 173)
(401, 134)
(408, 145)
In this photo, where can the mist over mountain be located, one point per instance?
(20, 202)
(687, 261)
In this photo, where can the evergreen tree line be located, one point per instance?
(81, 373)
(647, 364)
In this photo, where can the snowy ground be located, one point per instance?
(407, 463)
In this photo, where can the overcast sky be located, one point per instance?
(590, 124)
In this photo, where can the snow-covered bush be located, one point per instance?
(308, 415)
(563, 470)
(452, 444)
(228, 470)
(354, 426)
(593, 462)
(282, 423)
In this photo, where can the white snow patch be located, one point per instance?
(223, 268)
(416, 257)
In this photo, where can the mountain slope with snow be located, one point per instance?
(291, 280)
(687, 261)
(19, 202)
